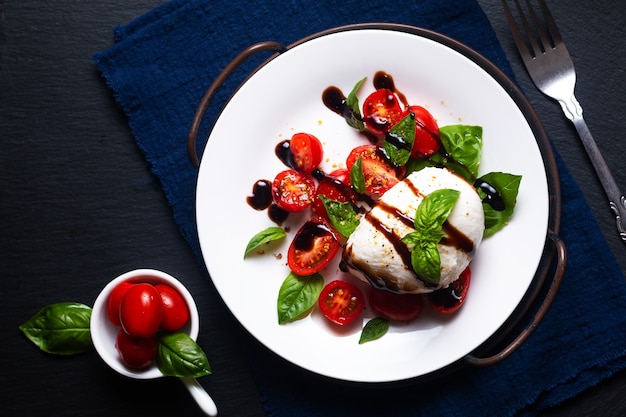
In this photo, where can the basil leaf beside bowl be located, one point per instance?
(61, 328)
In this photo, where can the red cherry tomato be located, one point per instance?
(306, 152)
(341, 302)
(426, 133)
(448, 300)
(136, 352)
(332, 188)
(313, 247)
(293, 191)
(141, 310)
(381, 110)
(113, 303)
(394, 306)
(175, 311)
(379, 176)
(342, 175)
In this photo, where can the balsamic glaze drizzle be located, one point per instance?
(335, 100)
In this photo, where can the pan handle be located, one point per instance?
(217, 83)
(561, 260)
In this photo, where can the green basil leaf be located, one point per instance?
(61, 328)
(507, 186)
(342, 216)
(357, 178)
(434, 210)
(399, 141)
(180, 356)
(417, 164)
(430, 216)
(374, 329)
(354, 119)
(426, 262)
(442, 160)
(297, 296)
(412, 239)
(268, 235)
(464, 145)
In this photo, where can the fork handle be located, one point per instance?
(617, 201)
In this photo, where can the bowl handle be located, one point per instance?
(559, 271)
(217, 83)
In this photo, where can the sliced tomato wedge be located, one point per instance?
(379, 176)
(341, 302)
(313, 247)
(342, 175)
(381, 110)
(306, 152)
(293, 191)
(448, 300)
(427, 140)
(335, 186)
(394, 306)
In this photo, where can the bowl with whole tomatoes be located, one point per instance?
(132, 312)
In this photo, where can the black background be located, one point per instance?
(79, 205)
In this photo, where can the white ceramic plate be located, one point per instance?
(284, 97)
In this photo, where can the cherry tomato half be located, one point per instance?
(332, 188)
(448, 300)
(114, 301)
(427, 140)
(293, 191)
(379, 176)
(394, 306)
(306, 151)
(381, 110)
(175, 311)
(136, 352)
(141, 310)
(313, 247)
(341, 302)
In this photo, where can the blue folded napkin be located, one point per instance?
(158, 70)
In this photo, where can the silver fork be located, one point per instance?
(550, 67)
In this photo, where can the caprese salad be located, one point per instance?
(400, 139)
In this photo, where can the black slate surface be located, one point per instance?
(79, 206)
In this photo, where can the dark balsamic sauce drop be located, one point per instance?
(308, 234)
(334, 99)
(283, 152)
(384, 80)
(261, 196)
(445, 297)
(261, 199)
(493, 197)
(276, 214)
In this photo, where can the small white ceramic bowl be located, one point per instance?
(104, 333)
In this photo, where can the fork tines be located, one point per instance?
(542, 35)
